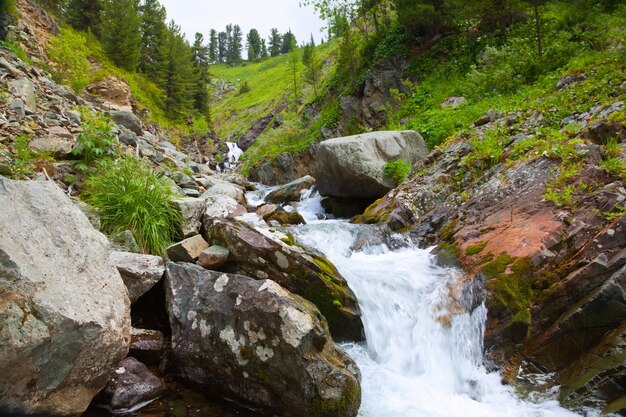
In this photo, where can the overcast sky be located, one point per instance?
(203, 15)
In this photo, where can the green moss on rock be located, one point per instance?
(475, 249)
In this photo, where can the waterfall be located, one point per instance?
(423, 355)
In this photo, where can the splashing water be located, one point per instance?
(419, 360)
(233, 155)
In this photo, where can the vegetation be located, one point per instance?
(96, 139)
(129, 195)
(397, 170)
(22, 161)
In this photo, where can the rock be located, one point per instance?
(266, 210)
(58, 142)
(285, 218)
(74, 117)
(128, 138)
(489, 117)
(147, 345)
(188, 250)
(353, 166)
(89, 211)
(256, 342)
(288, 166)
(221, 207)
(19, 107)
(255, 131)
(213, 257)
(139, 272)
(125, 242)
(191, 210)
(291, 191)
(65, 312)
(183, 180)
(24, 89)
(115, 93)
(453, 102)
(128, 120)
(299, 270)
(132, 387)
(569, 80)
(10, 68)
(219, 187)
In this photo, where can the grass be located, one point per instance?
(129, 195)
(397, 170)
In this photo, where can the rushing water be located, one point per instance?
(419, 360)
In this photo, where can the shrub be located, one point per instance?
(23, 157)
(129, 195)
(69, 53)
(96, 139)
(397, 170)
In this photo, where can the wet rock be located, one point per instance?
(299, 270)
(256, 342)
(139, 272)
(128, 120)
(147, 346)
(353, 166)
(24, 89)
(188, 250)
(132, 387)
(291, 191)
(65, 311)
(213, 257)
(285, 218)
(191, 210)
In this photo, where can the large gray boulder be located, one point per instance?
(127, 119)
(299, 270)
(255, 341)
(139, 272)
(353, 166)
(290, 191)
(65, 313)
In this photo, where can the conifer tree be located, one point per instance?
(153, 34)
(213, 49)
(121, 33)
(313, 64)
(289, 42)
(264, 53)
(222, 46)
(84, 14)
(275, 42)
(180, 75)
(201, 64)
(254, 45)
(236, 45)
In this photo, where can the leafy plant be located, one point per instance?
(397, 170)
(129, 195)
(616, 213)
(96, 139)
(69, 54)
(615, 166)
(613, 148)
(23, 157)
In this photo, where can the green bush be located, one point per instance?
(21, 166)
(129, 195)
(397, 170)
(69, 52)
(96, 139)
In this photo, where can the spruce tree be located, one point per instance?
(313, 64)
(213, 49)
(222, 46)
(121, 33)
(201, 63)
(153, 37)
(275, 42)
(289, 42)
(180, 75)
(254, 44)
(236, 45)
(264, 53)
(84, 14)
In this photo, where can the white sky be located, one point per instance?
(203, 15)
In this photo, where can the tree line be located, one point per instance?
(227, 46)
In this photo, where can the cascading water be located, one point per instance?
(233, 155)
(419, 359)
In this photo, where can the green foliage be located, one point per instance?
(397, 170)
(96, 139)
(616, 167)
(475, 249)
(69, 54)
(616, 213)
(613, 147)
(22, 161)
(244, 87)
(130, 196)
(487, 151)
(120, 33)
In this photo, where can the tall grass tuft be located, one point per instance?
(129, 195)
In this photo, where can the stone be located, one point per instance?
(139, 272)
(266, 210)
(221, 207)
(191, 210)
(24, 89)
(128, 120)
(10, 68)
(569, 80)
(220, 187)
(286, 166)
(453, 102)
(183, 180)
(188, 250)
(291, 191)
(257, 343)
(89, 211)
(132, 387)
(254, 132)
(124, 241)
(58, 141)
(74, 117)
(128, 138)
(19, 107)
(489, 117)
(298, 269)
(353, 166)
(65, 311)
(285, 218)
(115, 93)
(213, 257)
(147, 346)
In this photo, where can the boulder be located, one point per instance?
(291, 191)
(147, 345)
(218, 187)
(132, 387)
(58, 141)
(114, 92)
(256, 342)
(127, 119)
(124, 241)
(221, 207)
(19, 107)
(353, 166)
(453, 102)
(213, 257)
(188, 250)
(139, 272)
(266, 210)
(299, 270)
(191, 210)
(65, 312)
(287, 166)
(24, 89)
(285, 218)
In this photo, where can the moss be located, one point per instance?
(486, 258)
(448, 254)
(373, 214)
(262, 375)
(325, 265)
(449, 230)
(475, 249)
(497, 266)
(348, 404)
(246, 353)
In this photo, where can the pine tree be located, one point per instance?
(121, 33)
(180, 75)
(289, 42)
(264, 53)
(213, 50)
(236, 45)
(201, 64)
(313, 64)
(275, 42)
(153, 33)
(84, 14)
(222, 46)
(254, 45)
